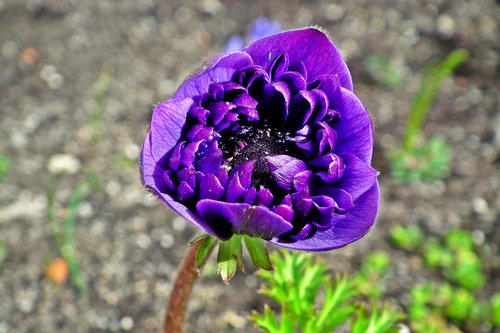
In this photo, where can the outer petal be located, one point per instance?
(166, 125)
(345, 230)
(354, 130)
(254, 221)
(220, 70)
(358, 176)
(152, 179)
(310, 45)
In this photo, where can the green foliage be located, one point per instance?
(229, 258)
(428, 160)
(313, 301)
(258, 253)
(383, 70)
(4, 166)
(63, 232)
(230, 254)
(373, 268)
(407, 238)
(3, 253)
(457, 258)
(495, 310)
(431, 81)
(433, 306)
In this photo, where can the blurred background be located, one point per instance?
(84, 248)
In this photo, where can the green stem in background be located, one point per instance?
(55, 229)
(68, 249)
(429, 87)
(181, 291)
(64, 236)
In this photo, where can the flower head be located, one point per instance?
(270, 142)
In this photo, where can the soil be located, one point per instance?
(55, 58)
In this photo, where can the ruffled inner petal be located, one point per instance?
(255, 221)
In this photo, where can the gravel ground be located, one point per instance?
(55, 55)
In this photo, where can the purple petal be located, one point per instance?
(220, 70)
(284, 175)
(274, 105)
(185, 192)
(326, 138)
(152, 177)
(322, 212)
(278, 66)
(330, 85)
(210, 188)
(294, 81)
(250, 196)
(301, 108)
(210, 159)
(174, 161)
(358, 178)
(335, 170)
(255, 221)
(321, 106)
(347, 229)
(310, 45)
(188, 153)
(301, 204)
(187, 175)
(166, 125)
(265, 197)
(354, 130)
(302, 181)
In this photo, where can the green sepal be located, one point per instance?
(258, 253)
(229, 258)
(207, 245)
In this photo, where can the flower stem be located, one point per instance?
(179, 296)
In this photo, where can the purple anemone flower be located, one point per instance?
(270, 142)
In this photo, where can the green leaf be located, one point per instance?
(229, 258)
(4, 166)
(258, 253)
(267, 321)
(429, 87)
(207, 245)
(3, 253)
(495, 310)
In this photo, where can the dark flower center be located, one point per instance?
(254, 142)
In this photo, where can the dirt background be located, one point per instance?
(130, 245)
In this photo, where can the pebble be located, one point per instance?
(480, 206)
(333, 12)
(167, 241)
(63, 163)
(179, 224)
(446, 26)
(478, 237)
(143, 241)
(127, 323)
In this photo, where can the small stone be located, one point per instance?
(63, 163)
(478, 237)
(55, 81)
(143, 241)
(480, 206)
(179, 224)
(132, 151)
(446, 26)
(127, 323)
(333, 12)
(167, 241)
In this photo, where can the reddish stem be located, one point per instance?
(179, 296)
